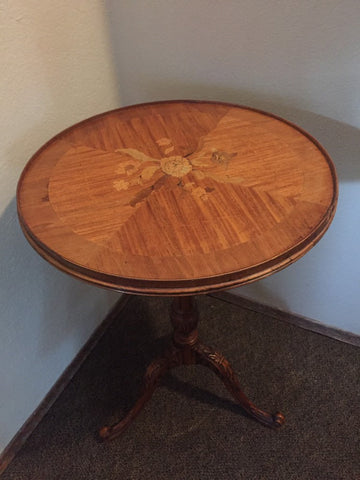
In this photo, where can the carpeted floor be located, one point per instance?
(191, 429)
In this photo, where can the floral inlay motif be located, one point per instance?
(141, 170)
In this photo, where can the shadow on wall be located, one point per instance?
(35, 297)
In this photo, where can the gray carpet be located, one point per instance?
(191, 429)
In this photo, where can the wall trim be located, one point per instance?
(294, 319)
(32, 422)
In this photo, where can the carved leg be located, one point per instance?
(217, 363)
(153, 375)
(185, 350)
(184, 319)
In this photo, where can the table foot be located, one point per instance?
(185, 350)
(210, 358)
(153, 375)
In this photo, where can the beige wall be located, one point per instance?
(56, 69)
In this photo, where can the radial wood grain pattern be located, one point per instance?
(177, 197)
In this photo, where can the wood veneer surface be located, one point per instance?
(177, 197)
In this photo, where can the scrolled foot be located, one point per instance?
(110, 432)
(279, 419)
(275, 420)
(104, 433)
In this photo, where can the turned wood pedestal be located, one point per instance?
(178, 198)
(187, 349)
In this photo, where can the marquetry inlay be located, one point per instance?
(176, 197)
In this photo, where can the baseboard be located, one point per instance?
(298, 320)
(29, 426)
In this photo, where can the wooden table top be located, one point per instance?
(177, 197)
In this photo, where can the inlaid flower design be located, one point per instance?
(191, 170)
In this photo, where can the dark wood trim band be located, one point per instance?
(31, 423)
(297, 320)
(205, 285)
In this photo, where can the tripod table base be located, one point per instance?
(186, 349)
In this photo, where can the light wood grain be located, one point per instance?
(177, 197)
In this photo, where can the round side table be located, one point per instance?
(178, 198)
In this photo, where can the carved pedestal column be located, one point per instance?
(186, 349)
